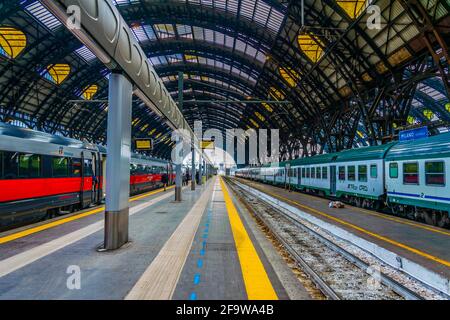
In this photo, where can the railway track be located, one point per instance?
(337, 273)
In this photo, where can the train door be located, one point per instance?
(96, 176)
(299, 176)
(103, 179)
(333, 180)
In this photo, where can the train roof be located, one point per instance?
(33, 135)
(431, 147)
(318, 159)
(365, 153)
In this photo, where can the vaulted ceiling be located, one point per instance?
(347, 81)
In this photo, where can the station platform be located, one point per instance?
(426, 245)
(205, 247)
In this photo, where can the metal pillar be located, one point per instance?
(193, 170)
(118, 162)
(178, 182)
(200, 170)
(178, 177)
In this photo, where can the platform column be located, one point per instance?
(118, 161)
(200, 170)
(193, 170)
(178, 182)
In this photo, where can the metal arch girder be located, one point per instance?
(201, 48)
(164, 12)
(105, 32)
(174, 68)
(213, 24)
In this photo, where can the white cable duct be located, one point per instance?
(104, 31)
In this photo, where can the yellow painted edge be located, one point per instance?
(370, 233)
(256, 280)
(399, 220)
(53, 224)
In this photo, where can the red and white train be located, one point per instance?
(43, 175)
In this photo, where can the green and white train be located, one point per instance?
(409, 179)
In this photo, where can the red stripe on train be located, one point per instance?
(33, 188)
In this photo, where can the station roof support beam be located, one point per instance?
(103, 30)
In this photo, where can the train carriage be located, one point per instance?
(43, 175)
(40, 172)
(418, 179)
(315, 174)
(360, 175)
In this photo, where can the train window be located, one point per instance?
(313, 173)
(132, 169)
(434, 173)
(1, 165)
(88, 168)
(29, 166)
(319, 173)
(342, 173)
(10, 165)
(324, 173)
(351, 173)
(308, 172)
(75, 168)
(303, 172)
(373, 171)
(362, 173)
(60, 167)
(393, 170)
(411, 173)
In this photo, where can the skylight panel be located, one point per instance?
(209, 35)
(198, 33)
(184, 31)
(229, 42)
(40, 13)
(164, 31)
(260, 56)
(247, 8)
(143, 33)
(219, 38)
(240, 45)
(85, 54)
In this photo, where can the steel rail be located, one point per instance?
(386, 280)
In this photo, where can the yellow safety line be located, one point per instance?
(56, 223)
(399, 220)
(370, 233)
(256, 280)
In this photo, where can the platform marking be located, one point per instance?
(256, 280)
(59, 222)
(24, 258)
(380, 215)
(159, 280)
(202, 252)
(370, 233)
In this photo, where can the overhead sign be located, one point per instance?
(413, 134)
(144, 144)
(207, 144)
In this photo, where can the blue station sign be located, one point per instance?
(413, 134)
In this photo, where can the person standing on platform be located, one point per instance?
(164, 180)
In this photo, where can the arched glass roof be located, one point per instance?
(347, 82)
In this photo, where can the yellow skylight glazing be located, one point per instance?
(58, 72)
(267, 106)
(353, 8)
(276, 94)
(428, 114)
(90, 92)
(311, 48)
(12, 41)
(289, 75)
